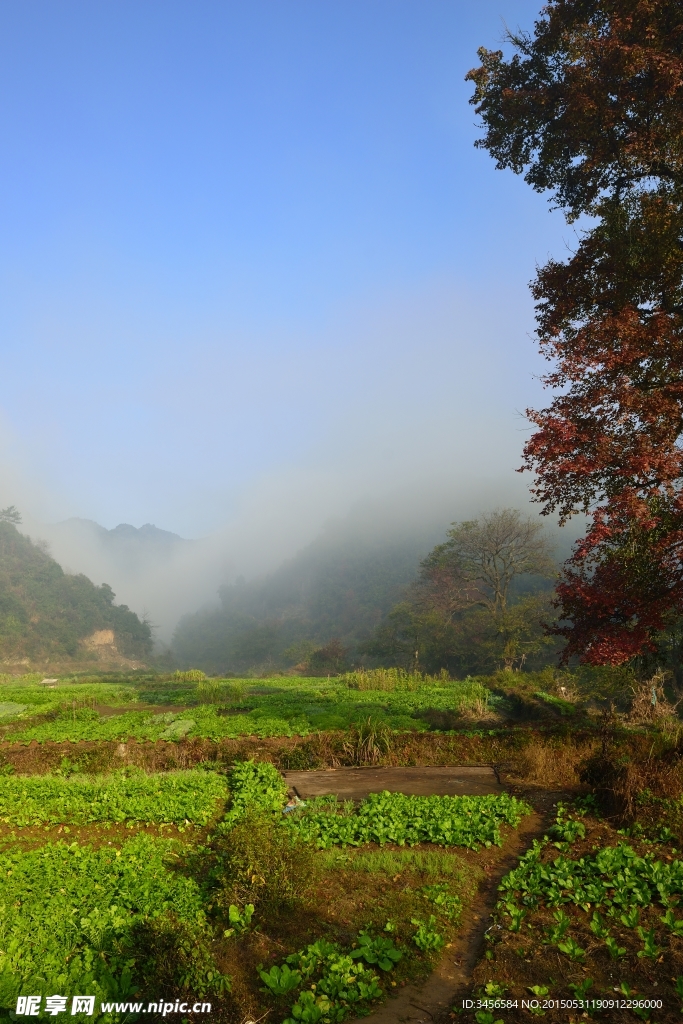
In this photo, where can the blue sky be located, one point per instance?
(248, 251)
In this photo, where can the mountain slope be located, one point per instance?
(338, 590)
(48, 615)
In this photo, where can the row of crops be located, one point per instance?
(287, 707)
(590, 926)
(83, 918)
(191, 797)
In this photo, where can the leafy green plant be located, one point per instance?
(565, 828)
(582, 988)
(517, 915)
(125, 795)
(240, 920)
(670, 921)
(613, 948)
(486, 1017)
(492, 990)
(426, 937)
(469, 821)
(437, 893)
(378, 951)
(598, 927)
(631, 917)
(100, 920)
(559, 929)
(280, 980)
(339, 984)
(572, 949)
(255, 785)
(650, 947)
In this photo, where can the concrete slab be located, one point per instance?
(356, 783)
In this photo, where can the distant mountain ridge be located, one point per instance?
(51, 618)
(150, 569)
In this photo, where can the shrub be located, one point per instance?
(265, 863)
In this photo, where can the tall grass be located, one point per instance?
(191, 675)
(219, 691)
(433, 863)
(392, 679)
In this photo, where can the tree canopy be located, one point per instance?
(590, 108)
(476, 604)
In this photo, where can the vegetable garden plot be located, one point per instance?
(470, 821)
(72, 919)
(108, 921)
(170, 797)
(598, 928)
(288, 708)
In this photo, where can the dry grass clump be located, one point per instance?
(477, 709)
(650, 704)
(551, 763)
(626, 779)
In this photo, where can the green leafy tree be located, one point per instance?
(476, 604)
(11, 514)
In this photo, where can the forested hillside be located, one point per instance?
(47, 616)
(471, 604)
(339, 590)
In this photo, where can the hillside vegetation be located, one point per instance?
(46, 614)
(473, 604)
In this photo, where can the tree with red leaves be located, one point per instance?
(590, 107)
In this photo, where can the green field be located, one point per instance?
(131, 870)
(285, 706)
(191, 797)
(115, 918)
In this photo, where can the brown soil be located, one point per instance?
(357, 783)
(519, 960)
(96, 834)
(344, 902)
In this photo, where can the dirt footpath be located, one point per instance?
(356, 783)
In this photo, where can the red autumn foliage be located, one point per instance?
(591, 107)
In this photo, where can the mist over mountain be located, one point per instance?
(157, 573)
(304, 574)
(339, 587)
(132, 548)
(52, 619)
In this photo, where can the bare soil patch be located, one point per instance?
(357, 783)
